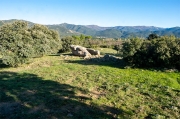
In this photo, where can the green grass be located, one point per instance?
(109, 51)
(69, 87)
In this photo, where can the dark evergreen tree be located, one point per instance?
(152, 36)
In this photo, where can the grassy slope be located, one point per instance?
(70, 87)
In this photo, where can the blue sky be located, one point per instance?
(161, 13)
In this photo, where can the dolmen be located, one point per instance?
(83, 52)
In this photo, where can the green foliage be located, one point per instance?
(82, 37)
(45, 41)
(76, 37)
(160, 52)
(15, 46)
(18, 42)
(131, 46)
(152, 36)
(66, 42)
(88, 37)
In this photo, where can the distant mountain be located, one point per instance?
(169, 31)
(79, 28)
(97, 28)
(109, 32)
(63, 31)
(13, 20)
(137, 28)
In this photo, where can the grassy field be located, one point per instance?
(69, 87)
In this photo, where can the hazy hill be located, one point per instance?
(137, 28)
(66, 29)
(63, 31)
(79, 28)
(110, 33)
(169, 31)
(13, 20)
(97, 28)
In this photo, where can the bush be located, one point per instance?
(45, 41)
(160, 52)
(129, 49)
(19, 43)
(66, 42)
(13, 45)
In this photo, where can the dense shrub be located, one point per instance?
(14, 47)
(45, 41)
(66, 42)
(160, 52)
(18, 42)
(152, 36)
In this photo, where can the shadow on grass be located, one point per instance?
(2, 65)
(64, 54)
(24, 95)
(120, 63)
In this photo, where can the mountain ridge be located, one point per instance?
(66, 29)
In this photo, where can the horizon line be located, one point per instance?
(91, 24)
